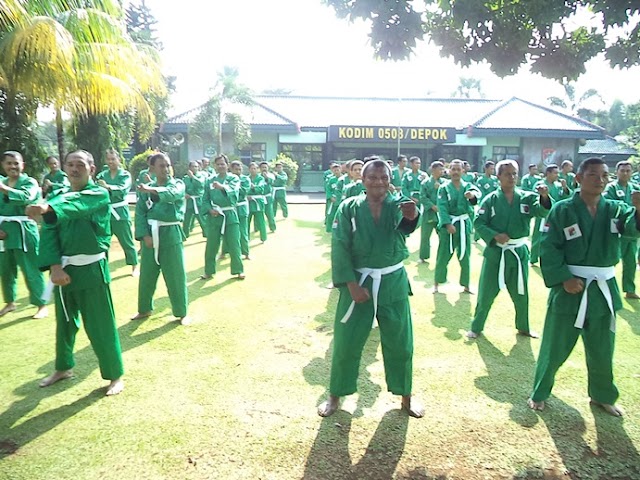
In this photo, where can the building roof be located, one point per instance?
(606, 146)
(485, 117)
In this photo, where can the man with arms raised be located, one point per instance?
(580, 248)
(75, 238)
(367, 251)
(429, 199)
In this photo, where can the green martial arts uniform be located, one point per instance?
(486, 185)
(58, 180)
(528, 182)
(455, 209)
(242, 207)
(77, 233)
(576, 241)
(257, 204)
(505, 265)
(628, 246)
(360, 243)
(469, 177)
(570, 178)
(118, 188)
(194, 188)
(269, 179)
(428, 199)
(21, 245)
(225, 224)
(411, 184)
(160, 216)
(352, 189)
(280, 193)
(333, 193)
(397, 176)
(145, 176)
(556, 192)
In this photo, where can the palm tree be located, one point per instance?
(573, 104)
(74, 55)
(226, 91)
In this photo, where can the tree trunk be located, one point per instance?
(60, 133)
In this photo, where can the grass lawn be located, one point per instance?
(234, 395)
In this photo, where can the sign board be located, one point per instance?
(357, 133)
(209, 151)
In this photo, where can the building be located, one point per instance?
(315, 131)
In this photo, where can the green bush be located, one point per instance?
(137, 164)
(289, 166)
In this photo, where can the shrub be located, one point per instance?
(137, 164)
(288, 165)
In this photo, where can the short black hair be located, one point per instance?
(623, 163)
(157, 156)
(83, 153)
(588, 162)
(13, 154)
(549, 168)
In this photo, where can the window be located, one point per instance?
(254, 152)
(308, 156)
(506, 153)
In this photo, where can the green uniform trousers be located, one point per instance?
(259, 224)
(558, 339)
(282, 201)
(331, 215)
(190, 220)
(231, 241)
(244, 237)
(96, 307)
(270, 213)
(488, 289)
(122, 230)
(425, 239)
(444, 255)
(396, 338)
(628, 254)
(171, 259)
(28, 262)
(535, 240)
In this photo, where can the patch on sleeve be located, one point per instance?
(614, 226)
(481, 211)
(524, 208)
(544, 226)
(572, 231)
(486, 186)
(620, 193)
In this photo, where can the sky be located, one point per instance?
(300, 45)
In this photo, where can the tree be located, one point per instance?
(468, 88)
(506, 33)
(633, 131)
(574, 104)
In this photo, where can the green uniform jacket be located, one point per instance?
(396, 176)
(25, 192)
(228, 197)
(118, 188)
(80, 223)
(281, 179)
(168, 205)
(570, 178)
(58, 180)
(573, 237)
(452, 202)
(359, 242)
(243, 190)
(469, 177)
(615, 191)
(337, 191)
(635, 178)
(257, 187)
(143, 177)
(330, 184)
(486, 185)
(528, 182)
(353, 189)
(411, 183)
(429, 197)
(269, 179)
(555, 189)
(194, 187)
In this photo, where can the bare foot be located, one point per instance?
(613, 410)
(205, 277)
(535, 405)
(241, 276)
(530, 334)
(185, 321)
(115, 387)
(330, 286)
(467, 291)
(471, 334)
(632, 295)
(141, 316)
(9, 307)
(222, 256)
(329, 407)
(42, 312)
(423, 260)
(135, 271)
(412, 406)
(55, 376)
(247, 257)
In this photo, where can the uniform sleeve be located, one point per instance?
(482, 222)
(443, 207)
(536, 206)
(28, 192)
(342, 270)
(50, 251)
(477, 194)
(232, 189)
(141, 226)
(552, 247)
(629, 224)
(206, 197)
(77, 205)
(171, 192)
(425, 198)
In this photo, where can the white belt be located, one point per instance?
(263, 199)
(463, 233)
(275, 189)
(376, 275)
(155, 235)
(221, 211)
(196, 210)
(511, 246)
(113, 207)
(79, 260)
(21, 219)
(600, 275)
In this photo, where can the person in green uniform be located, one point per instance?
(530, 179)
(194, 182)
(280, 190)
(269, 179)
(557, 190)
(487, 182)
(468, 175)
(329, 187)
(257, 201)
(456, 199)
(117, 181)
(336, 193)
(503, 222)
(207, 168)
(635, 178)
(219, 201)
(579, 251)
(145, 175)
(368, 248)
(242, 207)
(412, 180)
(622, 189)
(355, 187)
(76, 233)
(19, 238)
(55, 179)
(158, 222)
(398, 173)
(566, 174)
(429, 199)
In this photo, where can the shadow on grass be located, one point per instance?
(20, 435)
(615, 455)
(16, 321)
(452, 317)
(631, 314)
(329, 456)
(504, 381)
